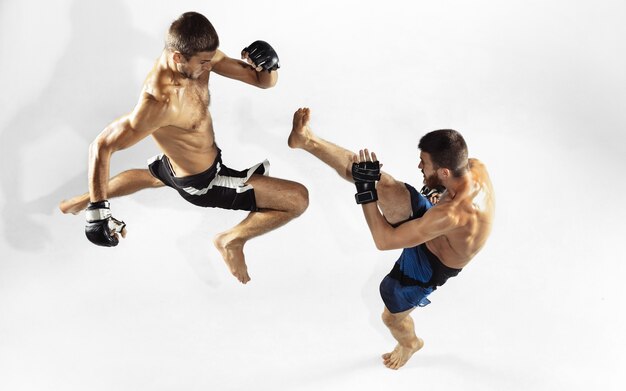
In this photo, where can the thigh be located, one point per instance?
(276, 193)
(135, 179)
(394, 199)
(144, 176)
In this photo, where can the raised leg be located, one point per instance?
(394, 202)
(125, 183)
(403, 330)
(279, 201)
(393, 197)
(302, 137)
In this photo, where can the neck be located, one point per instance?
(167, 62)
(455, 185)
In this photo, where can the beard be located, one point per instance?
(185, 72)
(188, 75)
(432, 181)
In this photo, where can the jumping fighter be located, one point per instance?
(173, 109)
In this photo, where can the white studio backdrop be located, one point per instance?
(538, 89)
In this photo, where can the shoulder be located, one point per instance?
(219, 56)
(444, 216)
(152, 98)
(480, 175)
(152, 110)
(220, 60)
(159, 86)
(476, 164)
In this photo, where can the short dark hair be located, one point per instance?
(447, 149)
(192, 33)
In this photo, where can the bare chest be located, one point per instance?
(189, 106)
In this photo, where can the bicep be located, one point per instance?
(235, 69)
(133, 127)
(418, 231)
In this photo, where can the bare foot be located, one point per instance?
(387, 355)
(401, 354)
(300, 133)
(74, 205)
(232, 252)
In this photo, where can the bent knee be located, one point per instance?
(300, 199)
(389, 319)
(388, 183)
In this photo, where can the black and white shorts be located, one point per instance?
(217, 187)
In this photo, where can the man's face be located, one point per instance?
(196, 65)
(431, 179)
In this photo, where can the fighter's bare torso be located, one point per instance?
(187, 136)
(472, 209)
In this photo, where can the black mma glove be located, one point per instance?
(432, 194)
(365, 175)
(101, 226)
(262, 55)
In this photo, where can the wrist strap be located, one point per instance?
(98, 204)
(97, 211)
(366, 197)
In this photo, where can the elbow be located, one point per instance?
(387, 240)
(95, 149)
(99, 147)
(381, 245)
(268, 83)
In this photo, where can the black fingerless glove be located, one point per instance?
(365, 175)
(428, 192)
(101, 226)
(263, 55)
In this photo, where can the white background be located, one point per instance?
(538, 89)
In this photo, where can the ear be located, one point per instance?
(445, 173)
(178, 58)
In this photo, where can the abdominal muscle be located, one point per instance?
(190, 151)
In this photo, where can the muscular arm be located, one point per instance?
(434, 223)
(148, 116)
(239, 70)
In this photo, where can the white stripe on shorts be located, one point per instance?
(231, 182)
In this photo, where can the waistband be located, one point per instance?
(432, 258)
(199, 178)
(440, 272)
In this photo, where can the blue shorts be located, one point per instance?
(406, 286)
(399, 298)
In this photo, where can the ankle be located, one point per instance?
(228, 240)
(415, 344)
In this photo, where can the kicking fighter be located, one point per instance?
(437, 241)
(173, 109)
